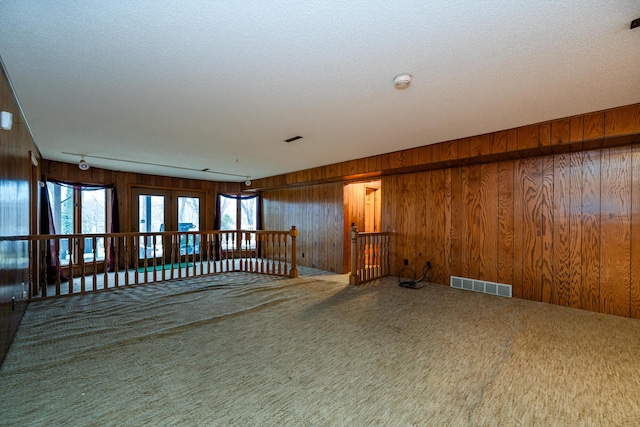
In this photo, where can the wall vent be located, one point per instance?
(483, 286)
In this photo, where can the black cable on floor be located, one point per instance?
(413, 284)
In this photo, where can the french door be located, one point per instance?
(159, 210)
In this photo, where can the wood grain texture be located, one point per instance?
(593, 125)
(560, 131)
(439, 235)
(310, 208)
(635, 232)
(546, 229)
(528, 137)
(622, 121)
(561, 229)
(505, 222)
(458, 239)
(529, 173)
(590, 259)
(575, 229)
(615, 226)
(470, 248)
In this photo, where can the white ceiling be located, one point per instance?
(221, 85)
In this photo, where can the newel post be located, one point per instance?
(354, 279)
(294, 266)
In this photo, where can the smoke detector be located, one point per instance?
(402, 81)
(83, 165)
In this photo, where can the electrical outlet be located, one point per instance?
(428, 264)
(406, 262)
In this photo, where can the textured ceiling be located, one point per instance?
(221, 85)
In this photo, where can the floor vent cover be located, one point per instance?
(485, 287)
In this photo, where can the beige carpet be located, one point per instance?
(240, 349)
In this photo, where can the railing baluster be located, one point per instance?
(72, 253)
(125, 258)
(264, 252)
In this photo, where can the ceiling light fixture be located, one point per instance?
(83, 165)
(402, 81)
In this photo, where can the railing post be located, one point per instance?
(354, 279)
(294, 267)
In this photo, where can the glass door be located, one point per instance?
(157, 211)
(150, 210)
(189, 220)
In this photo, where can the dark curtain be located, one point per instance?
(114, 227)
(47, 226)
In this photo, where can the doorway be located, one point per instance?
(363, 208)
(160, 210)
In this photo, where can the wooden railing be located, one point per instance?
(370, 258)
(78, 263)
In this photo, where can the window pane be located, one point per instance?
(61, 207)
(94, 221)
(62, 211)
(248, 213)
(151, 219)
(189, 220)
(228, 212)
(94, 211)
(188, 213)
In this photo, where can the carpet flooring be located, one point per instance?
(241, 349)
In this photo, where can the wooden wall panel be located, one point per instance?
(593, 125)
(561, 229)
(439, 237)
(622, 121)
(635, 232)
(424, 218)
(546, 229)
(590, 259)
(505, 222)
(469, 251)
(318, 212)
(16, 189)
(615, 228)
(529, 173)
(575, 229)
(458, 239)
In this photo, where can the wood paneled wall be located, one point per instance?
(16, 188)
(318, 213)
(125, 181)
(561, 229)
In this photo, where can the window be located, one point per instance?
(80, 210)
(238, 213)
